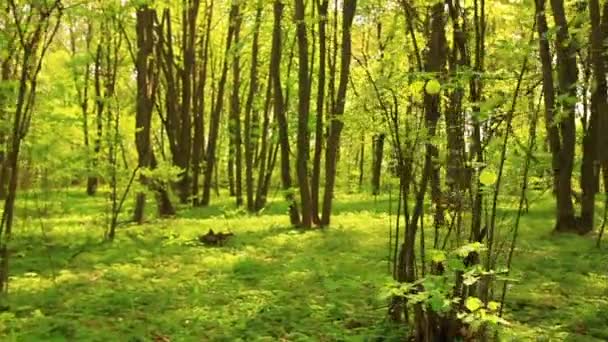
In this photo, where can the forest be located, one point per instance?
(303, 170)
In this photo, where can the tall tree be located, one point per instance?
(279, 110)
(599, 105)
(198, 140)
(250, 123)
(234, 123)
(147, 83)
(82, 88)
(336, 123)
(303, 114)
(212, 140)
(36, 25)
(560, 128)
(315, 180)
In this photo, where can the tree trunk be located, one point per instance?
(34, 43)
(561, 149)
(234, 124)
(198, 142)
(315, 180)
(434, 63)
(279, 112)
(303, 114)
(361, 160)
(210, 158)
(476, 90)
(454, 115)
(378, 146)
(82, 90)
(567, 72)
(336, 123)
(93, 180)
(262, 191)
(189, 24)
(599, 105)
(147, 82)
(249, 107)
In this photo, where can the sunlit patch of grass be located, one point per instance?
(269, 282)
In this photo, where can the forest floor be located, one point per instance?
(269, 282)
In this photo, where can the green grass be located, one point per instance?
(268, 283)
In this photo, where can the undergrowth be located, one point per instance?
(269, 282)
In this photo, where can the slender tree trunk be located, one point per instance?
(230, 166)
(279, 112)
(361, 160)
(549, 96)
(599, 105)
(315, 180)
(198, 142)
(147, 82)
(234, 124)
(434, 63)
(476, 90)
(261, 190)
(454, 115)
(562, 149)
(216, 114)
(189, 24)
(100, 100)
(303, 114)
(603, 121)
(82, 90)
(567, 72)
(378, 146)
(249, 107)
(35, 39)
(336, 123)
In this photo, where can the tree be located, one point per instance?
(147, 83)
(303, 114)
(561, 131)
(214, 124)
(336, 123)
(36, 25)
(279, 110)
(599, 104)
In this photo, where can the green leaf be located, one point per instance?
(473, 303)
(488, 177)
(494, 306)
(437, 256)
(432, 87)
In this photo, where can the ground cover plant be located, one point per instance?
(270, 282)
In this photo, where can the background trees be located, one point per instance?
(191, 96)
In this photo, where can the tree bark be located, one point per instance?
(567, 72)
(147, 82)
(378, 146)
(210, 158)
(261, 190)
(279, 112)
(249, 108)
(591, 162)
(198, 142)
(315, 180)
(336, 122)
(454, 115)
(234, 124)
(303, 114)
